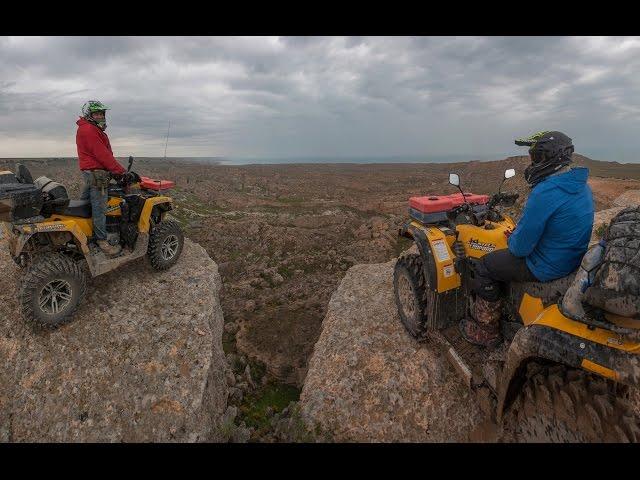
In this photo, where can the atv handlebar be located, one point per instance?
(506, 199)
(126, 178)
(465, 213)
(123, 182)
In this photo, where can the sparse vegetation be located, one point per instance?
(258, 408)
(600, 230)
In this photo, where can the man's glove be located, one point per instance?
(128, 178)
(134, 177)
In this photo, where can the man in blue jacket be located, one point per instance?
(548, 242)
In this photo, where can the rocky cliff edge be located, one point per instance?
(141, 361)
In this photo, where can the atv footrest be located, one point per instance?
(468, 359)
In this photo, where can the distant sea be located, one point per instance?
(362, 159)
(595, 154)
(301, 160)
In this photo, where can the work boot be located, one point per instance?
(484, 327)
(109, 249)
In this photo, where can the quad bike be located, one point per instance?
(554, 379)
(49, 237)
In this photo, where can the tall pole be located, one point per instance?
(167, 141)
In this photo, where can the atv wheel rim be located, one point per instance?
(55, 296)
(406, 296)
(169, 247)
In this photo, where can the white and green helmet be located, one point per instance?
(94, 106)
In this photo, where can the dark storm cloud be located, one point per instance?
(319, 96)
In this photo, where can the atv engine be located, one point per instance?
(123, 229)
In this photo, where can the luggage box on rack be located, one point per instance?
(433, 208)
(7, 177)
(19, 201)
(152, 184)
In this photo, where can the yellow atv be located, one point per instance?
(554, 379)
(49, 236)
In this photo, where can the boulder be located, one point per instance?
(630, 198)
(141, 361)
(601, 220)
(369, 381)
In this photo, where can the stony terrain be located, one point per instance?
(284, 236)
(369, 381)
(142, 360)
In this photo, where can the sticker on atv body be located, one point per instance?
(48, 228)
(448, 270)
(440, 249)
(478, 245)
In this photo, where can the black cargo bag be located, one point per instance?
(54, 194)
(616, 284)
(19, 202)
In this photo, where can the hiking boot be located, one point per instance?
(484, 328)
(476, 334)
(109, 249)
(487, 314)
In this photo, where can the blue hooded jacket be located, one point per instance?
(554, 231)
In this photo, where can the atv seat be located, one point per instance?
(78, 208)
(548, 292)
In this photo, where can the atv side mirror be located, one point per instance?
(507, 174)
(454, 179)
(130, 163)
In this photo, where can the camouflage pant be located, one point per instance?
(487, 314)
(483, 328)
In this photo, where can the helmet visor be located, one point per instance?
(537, 156)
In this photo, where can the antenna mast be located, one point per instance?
(165, 153)
(167, 141)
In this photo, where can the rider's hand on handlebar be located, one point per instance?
(133, 177)
(507, 199)
(128, 178)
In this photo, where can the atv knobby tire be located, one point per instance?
(563, 404)
(165, 244)
(411, 295)
(51, 289)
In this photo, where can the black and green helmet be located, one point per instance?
(549, 152)
(93, 106)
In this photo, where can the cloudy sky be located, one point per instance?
(322, 96)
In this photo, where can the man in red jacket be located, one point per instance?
(97, 164)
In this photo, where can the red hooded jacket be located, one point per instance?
(94, 149)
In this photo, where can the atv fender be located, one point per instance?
(163, 203)
(600, 351)
(526, 346)
(25, 232)
(420, 238)
(439, 271)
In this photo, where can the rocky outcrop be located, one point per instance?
(369, 381)
(630, 198)
(141, 361)
(602, 218)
